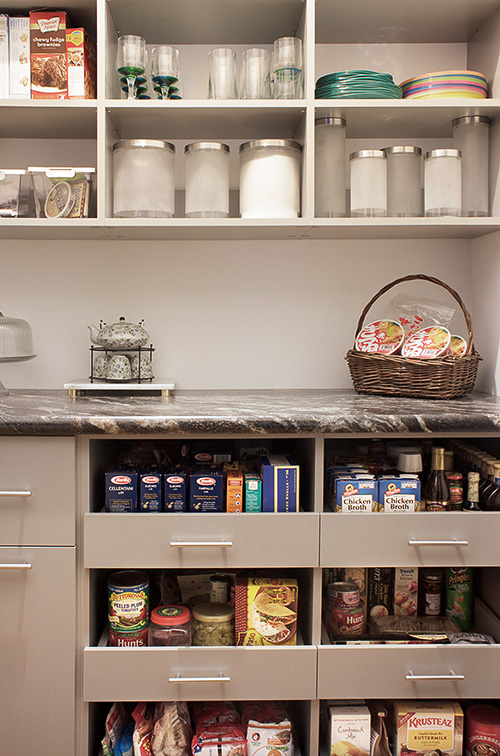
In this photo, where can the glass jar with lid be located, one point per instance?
(404, 181)
(329, 167)
(443, 182)
(144, 179)
(471, 137)
(270, 178)
(170, 626)
(207, 180)
(213, 624)
(368, 184)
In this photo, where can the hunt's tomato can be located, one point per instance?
(128, 608)
(482, 730)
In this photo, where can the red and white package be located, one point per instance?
(428, 343)
(172, 731)
(262, 711)
(115, 722)
(221, 739)
(206, 713)
(265, 739)
(382, 336)
(143, 716)
(458, 346)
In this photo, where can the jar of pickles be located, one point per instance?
(213, 625)
(170, 626)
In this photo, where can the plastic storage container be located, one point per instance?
(15, 193)
(207, 180)
(144, 179)
(64, 192)
(329, 170)
(270, 178)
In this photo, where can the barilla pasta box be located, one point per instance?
(49, 72)
(19, 58)
(150, 489)
(234, 490)
(175, 489)
(266, 611)
(253, 492)
(280, 483)
(356, 493)
(427, 727)
(206, 489)
(81, 61)
(350, 730)
(121, 489)
(399, 493)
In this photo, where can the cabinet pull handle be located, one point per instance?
(18, 494)
(450, 676)
(21, 566)
(179, 679)
(183, 544)
(452, 542)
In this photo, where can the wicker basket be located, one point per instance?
(393, 375)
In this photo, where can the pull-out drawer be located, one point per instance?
(37, 491)
(191, 674)
(201, 540)
(377, 539)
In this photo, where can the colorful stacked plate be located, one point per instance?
(358, 85)
(470, 84)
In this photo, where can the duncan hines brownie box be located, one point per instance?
(424, 727)
(49, 75)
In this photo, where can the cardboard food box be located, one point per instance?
(49, 73)
(150, 489)
(234, 490)
(206, 490)
(19, 58)
(356, 493)
(266, 611)
(349, 730)
(405, 590)
(253, 492)
(4, 55)
(426, 726)
(280, 483)
(81, 60)
(121, 489)
(175, 489)
(400, 493)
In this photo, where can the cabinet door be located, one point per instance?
(37, 650)
(37, 491)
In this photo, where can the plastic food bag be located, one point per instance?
(414, 314)
(172, 732)
(143, 732)
(116, 720)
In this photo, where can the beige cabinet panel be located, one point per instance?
(201, 540)
(37, 491)
(190, 674)
(37, 651)
(377, 539)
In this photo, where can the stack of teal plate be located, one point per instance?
(358, 85)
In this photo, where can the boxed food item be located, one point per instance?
(49, 75)
(81, 61)
(266, 611)
(234, 490)
(349, 728)
(405, 590)
(121, 489)
(399, 493)
(280, 483)
(4, 55)
(206, 484)
(19, 58)
(150, 489)
(428, 726)
(175, 489)
(64, 192)
(356, 493)
(379, 592)
(253, 492)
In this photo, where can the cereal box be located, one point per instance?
(4, 55)
(81, 59)
(426, 726)
(405, 590)
(49, 76)
(19, 58)
(399, 493)
(266, 611)
(280, 483)
(349, 730)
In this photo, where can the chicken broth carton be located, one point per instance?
(426, 726)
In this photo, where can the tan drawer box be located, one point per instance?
(382, 540)
(156, 540)
(251, 673)
(44, 468)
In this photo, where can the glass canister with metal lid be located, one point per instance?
(443, 183)
(213, 625)
(270, 178)
(144, 179)
(368, 173)
(404, 181)
(207, 180)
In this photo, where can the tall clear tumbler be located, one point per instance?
(223, 74)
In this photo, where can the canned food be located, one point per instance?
(346, 620)
(343, 595)
(128, 608)
(482, 732)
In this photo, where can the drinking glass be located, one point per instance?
(288, 83)
(222, 79)
(131, 60)
(256, 74)
(164, 69)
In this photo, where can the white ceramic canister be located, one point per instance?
(368, 183)
(404, 181)
(207, 180)
(471, 137)
(270, 178)
(144, 179)
(329, 167)
(443, 182)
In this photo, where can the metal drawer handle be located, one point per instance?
(182, 544)
(179, 679)
(19, 494)
(22, 566)
(451, 676)
(453, 542)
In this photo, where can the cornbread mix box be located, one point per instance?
(81, 61)
(266, 611)
(280, 483)
(424, 727)
(399, 493)
(356, 493)
(49, 73)
(350, 728)
(121, 489)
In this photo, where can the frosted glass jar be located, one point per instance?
(270, 178)
(329, 167)
(368, 169)
(144, 179)
(207, 180)
(404, 181)
(443, 182)
(471, 137)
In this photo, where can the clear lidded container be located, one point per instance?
(213, 625)
(15, 193)
(64, 192)
(368, 170)
(471, 137)
(443, 182)
(207, 180)
(170, 626)
(144, 179)
(404, 181)
(270, 178)
(329, 167)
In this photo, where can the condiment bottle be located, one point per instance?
(493, 501)
(431, 592)
(472, 503)
(437, 492)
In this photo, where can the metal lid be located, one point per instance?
(171, 615)
(403, 149)
(289, 143)
(158, 144)
(200, 146)
(470, 119)
(331, 121)
(367, 153)
(213, 612)
(443, 153)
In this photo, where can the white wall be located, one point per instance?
(253, 314)
(485, 275)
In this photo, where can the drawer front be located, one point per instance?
(37, 491)
(421, 539)
(201, 540)
(191, 674)
(394, 671)
(37, 616)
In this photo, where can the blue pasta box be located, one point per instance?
(356, 493)
(175, 489)
(206, 489)
(121, 489)
(150, 489)
(399, 493)
(280, 483)
(253, 492)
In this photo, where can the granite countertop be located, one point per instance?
(305, 411)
